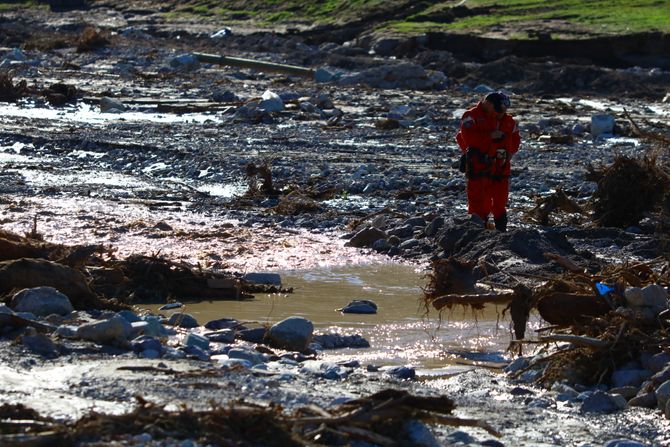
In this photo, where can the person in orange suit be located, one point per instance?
(488, 138)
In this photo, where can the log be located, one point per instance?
(577, 340)
(258, 65)
(472, 300)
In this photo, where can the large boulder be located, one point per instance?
(293, 334)
(29, 273)
(366, 237)
(115, 330)
(359, 307)
(41, 301)
(663, 395)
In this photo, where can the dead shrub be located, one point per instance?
(92, 39)
(9, 91)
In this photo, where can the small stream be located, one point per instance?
(400, 333)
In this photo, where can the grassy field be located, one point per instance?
(594, 16)
(511, 17)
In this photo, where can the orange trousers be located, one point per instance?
(488, 196)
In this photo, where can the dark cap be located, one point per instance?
(499, 100)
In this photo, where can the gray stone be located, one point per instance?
(196, 352)
(408, 244)
(199, 341)
(256, 335)
(434, 226)
(155, 328)
(129, 316)
(293, 334)
(629, 377)
(41, 345)
(419, 435)
(137, 328)
(402, 232)
(111, 105)
(66, 331)
(645, 400)
(252, 357)
(381, 245)
(41, 301)
(360, 307)
(322, 75)
(337, 341)
(661, 376)
(658, 361)
(400, 372)
(624, 443)
(183, 320)
(628, 392)
(221, 336)
(385, 46)
(115, 330)
(600, 402)
(327, 370)
(663, 395)
(150, 354)
(273, 279)
(5, 310)
(460, 436)
(170, 306)
(185, 62)
(144, 343)
(366, 237)
(415, 222)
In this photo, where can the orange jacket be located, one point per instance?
(475, 132)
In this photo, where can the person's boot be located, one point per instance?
(501, 223)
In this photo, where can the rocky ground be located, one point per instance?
(177, 160)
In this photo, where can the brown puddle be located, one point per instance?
(399, 333)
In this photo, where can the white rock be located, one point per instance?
(271, 102)
(111, 105)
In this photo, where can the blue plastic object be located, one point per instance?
(604, 289)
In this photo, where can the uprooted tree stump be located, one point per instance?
(9, 91)
(627, 189)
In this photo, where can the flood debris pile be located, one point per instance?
(11, 91)
(387, 418)
(628, 189)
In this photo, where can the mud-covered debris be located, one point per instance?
(558, 201)
(295, 203)
(628, 189)
(264, 173)
(153, 279)
(60, 94)
(92, 39)
(11, 91)
(450, 276)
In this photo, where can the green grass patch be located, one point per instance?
(595, 16)
(11, 6)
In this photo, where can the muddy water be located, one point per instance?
(400, 333)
